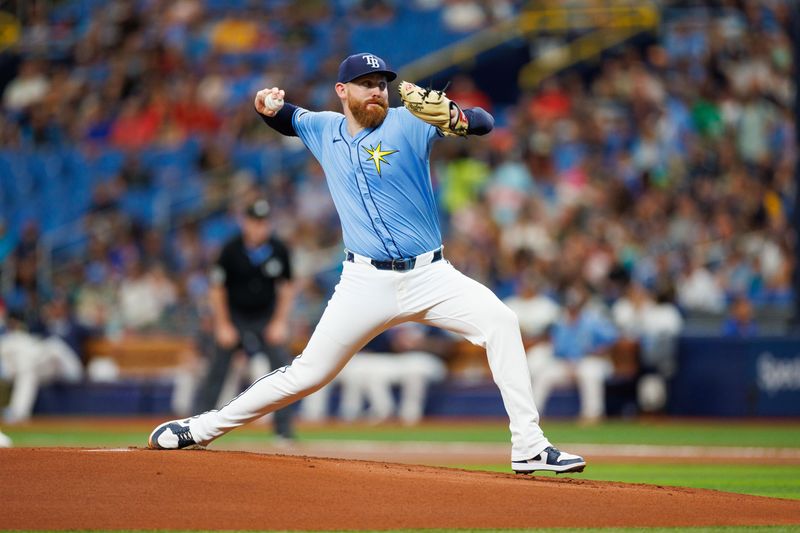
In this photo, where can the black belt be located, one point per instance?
(399, 265)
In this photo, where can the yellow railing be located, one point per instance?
(640, 15)
(611, 22)
(571, 53)
(10, 30)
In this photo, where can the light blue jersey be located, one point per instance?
(380, 181)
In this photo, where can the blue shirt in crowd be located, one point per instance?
(585, 335)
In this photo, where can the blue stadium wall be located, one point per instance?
(737, 377)
(757, 377)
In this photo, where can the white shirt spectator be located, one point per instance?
(464, 15)
(535, 313)
(144, 297)
(26, 89)
(700, 291)
(629, 317)
(662, 319)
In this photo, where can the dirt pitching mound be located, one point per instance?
(57, 488)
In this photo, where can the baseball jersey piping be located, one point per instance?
(358, 186)
(282, 370)
(372, 199)
(361, 196)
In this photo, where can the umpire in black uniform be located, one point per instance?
(251, 296)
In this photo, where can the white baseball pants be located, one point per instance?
(33, 362)
(368, 301)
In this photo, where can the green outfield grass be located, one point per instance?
(774, 481)
(701, 433)
(98, 432)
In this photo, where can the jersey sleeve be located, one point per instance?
(282, 121)
(314, 127)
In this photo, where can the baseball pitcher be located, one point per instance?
(376, 162)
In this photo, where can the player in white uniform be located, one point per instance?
(5, 441)
(376, 162)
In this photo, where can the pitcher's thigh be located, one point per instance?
(464, 306)
(359, 309)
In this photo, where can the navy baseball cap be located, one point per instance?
(358, 65)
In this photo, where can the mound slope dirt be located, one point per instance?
(74, 488)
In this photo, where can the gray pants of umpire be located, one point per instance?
(251, 340)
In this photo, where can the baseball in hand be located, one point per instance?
(273, 104)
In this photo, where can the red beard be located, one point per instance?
(369, 116)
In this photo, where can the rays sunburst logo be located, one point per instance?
(377, 155)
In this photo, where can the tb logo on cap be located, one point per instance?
(371, 60)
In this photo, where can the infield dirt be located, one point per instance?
(134, 488)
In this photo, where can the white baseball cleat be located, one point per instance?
(551, 460)
(173, 435)
(5, 441)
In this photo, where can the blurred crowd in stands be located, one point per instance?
(661, 182)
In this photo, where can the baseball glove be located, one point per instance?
(434, 108)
